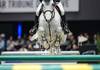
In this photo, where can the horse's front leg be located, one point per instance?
(34, 37)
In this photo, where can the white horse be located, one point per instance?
(49, 34)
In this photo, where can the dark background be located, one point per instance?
(89, 10)
(86, 20)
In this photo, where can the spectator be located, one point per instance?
(95, 39)
(33, 45)
(82, 39)
(73, 42)
(23, 48)
(2, 42)
(10, 44)
(29, 43)
(19, 43)
(70, 43)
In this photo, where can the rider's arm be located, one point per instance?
(38, 9)
(61, 8)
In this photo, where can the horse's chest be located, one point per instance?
(55, 19)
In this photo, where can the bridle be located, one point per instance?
(51, 12)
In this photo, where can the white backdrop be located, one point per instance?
(71, 5)
(22, 6)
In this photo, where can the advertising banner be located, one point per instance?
(22, 6)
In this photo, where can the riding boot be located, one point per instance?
(65, 25)
(33, 30)
(36, 23)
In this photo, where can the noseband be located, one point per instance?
(52, 12)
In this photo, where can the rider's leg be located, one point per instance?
(64, 25)
(59, 4)
(62, 12)
(35, 27)
(39, 9)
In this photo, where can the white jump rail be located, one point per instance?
(39, 53)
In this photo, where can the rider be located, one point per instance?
(60, 9)
(57, 3)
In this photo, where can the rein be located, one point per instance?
(51, 12)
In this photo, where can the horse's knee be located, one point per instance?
(41, 29)
(59, 29)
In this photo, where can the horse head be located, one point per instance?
(47, 1)
(49, 33)
(48, 10)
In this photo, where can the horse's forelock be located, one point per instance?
(47, 1)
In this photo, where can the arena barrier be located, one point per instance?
(31, 53)
(50, 67)
(51, 57)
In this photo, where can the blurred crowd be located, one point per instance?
(24, 44)
(18, 44)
